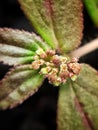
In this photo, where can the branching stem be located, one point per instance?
(93, 45)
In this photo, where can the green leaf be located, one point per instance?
(92, 8)
(78, 102)
(18, 47)
(68, 118)
(59, 22)
(20, 83)
(87, 106)
(88, 79)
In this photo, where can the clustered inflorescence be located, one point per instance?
(55, 67)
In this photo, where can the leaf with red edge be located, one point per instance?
(78, 102)
(88, 79)
(59, 22)
(18, 47)
(20, 83)
(68, 118)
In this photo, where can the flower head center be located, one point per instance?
(55, 67)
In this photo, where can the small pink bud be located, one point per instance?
(43, 56)
(74, 59)
(75, 67)
(56, 60)
(50, 52)
(35, 66)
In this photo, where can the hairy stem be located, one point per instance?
(93, 45)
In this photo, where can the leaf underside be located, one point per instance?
(78, 102)
(59, 22)
(18, 47)
(20, 83)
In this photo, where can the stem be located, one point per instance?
(93, 45)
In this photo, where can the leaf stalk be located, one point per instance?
(89, 47)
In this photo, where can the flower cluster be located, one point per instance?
(55, 67)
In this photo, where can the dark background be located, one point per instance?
(39, 111)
